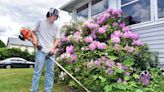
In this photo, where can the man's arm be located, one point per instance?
(55, 45)
(34, 39)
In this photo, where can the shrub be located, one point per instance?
(15, 52)
(105, 55)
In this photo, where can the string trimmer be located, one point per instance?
(25, 34)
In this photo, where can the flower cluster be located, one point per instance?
(105, 44)
(145, 77)
(96, 44)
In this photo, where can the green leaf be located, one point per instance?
(102, 79)
(126, 77)
(136, 76)
(129, 62)
(108, 88)
(139, 90)
(133, 84)
(72, 83)
(120, 86)
(112, 57)
(119, 70)
(95, 77)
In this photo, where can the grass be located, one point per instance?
(19, 80)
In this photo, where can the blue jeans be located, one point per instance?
(49, 75)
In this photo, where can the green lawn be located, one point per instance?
(19, 80)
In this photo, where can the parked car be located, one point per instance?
(16, 62)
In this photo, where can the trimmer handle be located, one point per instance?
(39, 47)
(48, 55)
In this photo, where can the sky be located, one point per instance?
(15, 14)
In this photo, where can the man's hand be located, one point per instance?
(52, 51)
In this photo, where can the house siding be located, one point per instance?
(153, 35)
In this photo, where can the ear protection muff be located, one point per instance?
(53, 11)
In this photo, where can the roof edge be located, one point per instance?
(66, 5)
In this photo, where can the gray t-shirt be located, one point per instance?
(46, 33)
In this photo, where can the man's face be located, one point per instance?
(53, 18)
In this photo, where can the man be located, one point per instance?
(46, 34)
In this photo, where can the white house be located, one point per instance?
(17, 43)
(147, 14)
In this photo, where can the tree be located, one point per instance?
(15, 52)
(2, 44)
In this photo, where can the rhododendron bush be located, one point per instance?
(105, 55)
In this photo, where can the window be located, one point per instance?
(13, 59)
(98, 6)
(160, 8)
(125, 1)
(136, 11)
(82, 12)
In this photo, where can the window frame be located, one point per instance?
(154, 16)
(151, 12)
(80, 7)
(89, 10)
(156, 12)
(100, 12)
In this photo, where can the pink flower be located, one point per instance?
(97, 62)
(77, 36)
(104, 58)
(122, 25)
(115, 40)
(115, 24)
(70, 49)
(101, 46)
(106, 15)
(93, 35)
(135, 36)
(137, 42)
(101, 30)
(117, 47)
(65, 56)
(77, 33)
(117, 33)
(100, 19)
(127, 73)
(95, 43)
(125, 29)
(64, 39)
(88, 39)
(129, 49)
(90, 64)
(89, 24)
(117, 13)
(121, 66)
(110, 63)
(128, 34)
(92, 46)
(73, 57)
(110, 10)
(109, 71)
